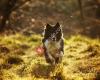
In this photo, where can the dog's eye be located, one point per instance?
(58, 29)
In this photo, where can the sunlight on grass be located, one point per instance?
(20, 61)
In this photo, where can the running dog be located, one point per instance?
(53, 43)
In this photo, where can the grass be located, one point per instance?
(19, 59)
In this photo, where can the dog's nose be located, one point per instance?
(53, 39)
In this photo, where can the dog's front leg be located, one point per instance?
(58, 57)
(48, 57)
(60, 52)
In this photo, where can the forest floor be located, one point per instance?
(21, 60)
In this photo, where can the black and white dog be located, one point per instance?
(53, 44)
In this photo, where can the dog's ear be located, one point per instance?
(57, 25)
(48, 26)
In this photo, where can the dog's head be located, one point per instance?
(53, 33)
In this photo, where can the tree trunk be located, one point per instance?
(7, 10)
(98, 9)
(81, 9)
(3, 22)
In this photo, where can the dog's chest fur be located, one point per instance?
(52, 46)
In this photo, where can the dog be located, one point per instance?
(53, 43)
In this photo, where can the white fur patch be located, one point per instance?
(46, 43)
(53, 46)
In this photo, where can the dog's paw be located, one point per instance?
(50, 61)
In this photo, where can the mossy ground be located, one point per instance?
(19, 59)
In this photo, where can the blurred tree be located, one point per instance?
(98, 9)
(6, 8)
(81, 9)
